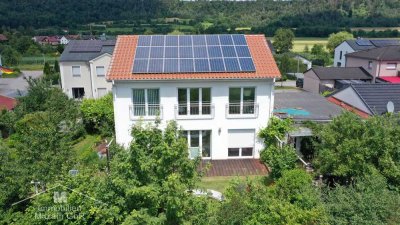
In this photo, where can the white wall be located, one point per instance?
(311, 82)
(122, 91)
(350, 97)
(88, 79)
(344, 48)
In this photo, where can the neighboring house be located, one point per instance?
(367, 99)
(360, 44)
(303, 60)
(3, 38)
(383, 63)
(219, 89)
(7, 103)
(320, 79)
(302, 106)
(83, 66)
(46, 40)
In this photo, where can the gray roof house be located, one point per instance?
(359, 44)
(83, 66)
(368, 99)
(320, 79)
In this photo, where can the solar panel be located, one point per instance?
(192, 53)
(383, 43)
(363, 42)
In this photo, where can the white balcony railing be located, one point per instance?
(194, 111)
(145, 111)
(242, 110)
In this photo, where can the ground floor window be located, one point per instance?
(199, 143)
(78, 93)
(241, 142)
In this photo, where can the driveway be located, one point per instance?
(287, 83)
(13, 87)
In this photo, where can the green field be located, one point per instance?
(300, 43)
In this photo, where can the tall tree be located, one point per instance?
(336, 39)
(283, 40)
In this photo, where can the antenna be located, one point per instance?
(390, 107)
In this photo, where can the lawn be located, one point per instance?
(221, 183)
(85, 151)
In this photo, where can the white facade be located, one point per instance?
(64, 40)
(341, 50)
(86, 76)
(236, 132)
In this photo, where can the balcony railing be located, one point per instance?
(194, 111)
(145, 111)
(242, 109)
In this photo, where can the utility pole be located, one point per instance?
(36, 183)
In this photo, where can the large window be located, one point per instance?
(100, 71)
(76, 71)
(242, 100)
(241, 143)
(146, 102)
(194, 101)
(199, 143)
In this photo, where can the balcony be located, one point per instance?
(194, 111)
(145, 111)
(242, 110)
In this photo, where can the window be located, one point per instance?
(338, 64)
(369, 64)
(146, 102)
(241, 142)
(242, 100)
(101, 92)
(76, 71)
(341, 54)
(78, 93)
(391, 66)
(100, 71)
(199, 143)
(194, 101)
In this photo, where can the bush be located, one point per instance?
(98, 115)
(279, 159)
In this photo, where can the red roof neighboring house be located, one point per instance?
(348, 107)
(392, 80)
(3, 37)
(7, 102)
(124, 55)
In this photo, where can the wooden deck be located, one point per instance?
(234, 167)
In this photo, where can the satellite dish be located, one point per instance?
(390, 107)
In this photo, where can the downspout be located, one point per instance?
(91, 77)
(271, 102)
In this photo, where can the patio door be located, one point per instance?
(199, 143)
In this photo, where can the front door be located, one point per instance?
(199, 143)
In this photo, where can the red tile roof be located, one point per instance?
(7, 102)
(122, 63)
(3, 37)
(348, 107)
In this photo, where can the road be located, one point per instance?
(12, 86)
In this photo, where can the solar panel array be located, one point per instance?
(192, 54)
(363, 42)
(86, 46)
(383, 43)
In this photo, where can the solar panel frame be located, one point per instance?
(193, 53)
(363, 42)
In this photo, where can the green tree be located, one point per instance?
(368, 201)
(350, 147)
(56, 67)
(279, 159)
(336, 39)
(47, 69)
(98, 115)
(10, 56)
(283, 40)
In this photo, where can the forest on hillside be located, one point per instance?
(261, 14)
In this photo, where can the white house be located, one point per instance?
(359, 44)
(219, 89)
(83, 68)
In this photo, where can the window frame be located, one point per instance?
(241, 103)
(200, 105)
(187, 135)
(393, 66)
(72, 71)
(104, 70)
(146, 104)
